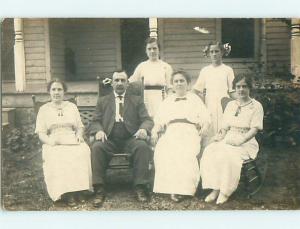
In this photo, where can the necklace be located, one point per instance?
(239, 108)
(59, 109)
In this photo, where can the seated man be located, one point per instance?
(121, 123)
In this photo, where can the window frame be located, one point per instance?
(256, 42)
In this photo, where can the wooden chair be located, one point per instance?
(38, 103)
(251, 176)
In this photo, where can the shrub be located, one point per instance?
(282, 116)
(21, 139)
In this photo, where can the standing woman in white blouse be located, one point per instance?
(156, 74)
(215, 82)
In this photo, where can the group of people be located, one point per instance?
(185, 127)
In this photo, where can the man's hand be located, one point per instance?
(141, 134)
(101, 136)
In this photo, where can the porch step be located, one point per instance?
(8, 118)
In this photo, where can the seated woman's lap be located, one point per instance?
(222, 152)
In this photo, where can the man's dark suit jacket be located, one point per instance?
(135, 115)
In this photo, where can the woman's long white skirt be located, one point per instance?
(176, 164)
(220, 167)
(67, 169)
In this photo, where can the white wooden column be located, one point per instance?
(153, 27)
(19, 55)
(47, 50)
(295, 49)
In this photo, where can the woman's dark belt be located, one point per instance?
(181, 120)
(153, 87)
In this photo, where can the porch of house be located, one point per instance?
(77, 51)
(18, 107)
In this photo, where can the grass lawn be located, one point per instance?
(23, 187)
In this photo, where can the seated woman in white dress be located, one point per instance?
(156, 74)
(66, 157)
(183, 118)
(222, 160)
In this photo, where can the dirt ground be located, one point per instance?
(23, 187)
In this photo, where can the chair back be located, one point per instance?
(224, 102)
(37, 103)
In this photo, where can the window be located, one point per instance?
(240, 34)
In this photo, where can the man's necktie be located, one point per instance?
(121, 107)
(179, 99)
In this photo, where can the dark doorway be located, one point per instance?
(134, 32)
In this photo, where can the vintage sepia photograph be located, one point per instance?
(151, 114)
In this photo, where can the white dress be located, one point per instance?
(217, 82)
(67, 167)
(155, 73)
(221, 163)
(176, 165)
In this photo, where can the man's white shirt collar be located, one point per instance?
(116, 95)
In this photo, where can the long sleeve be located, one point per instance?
(40, 126)
(96, 124)
(200, 83)
(169, 72)
(160, 118)
(205, 116)
(228, 112)
(78, 121)
(146, 120)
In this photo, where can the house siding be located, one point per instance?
(34, 43)
(95, 46)
(182, 46)
(278, 46)
(57, 48)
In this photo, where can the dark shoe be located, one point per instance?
(176, 198)
(99, 197)
(81, 198)
(141, 194)
(71, 202)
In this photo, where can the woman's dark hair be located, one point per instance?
(151, 40)
(240, 77)
(57, 81)
(184, 74)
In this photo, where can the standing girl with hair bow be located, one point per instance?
(214, 83)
